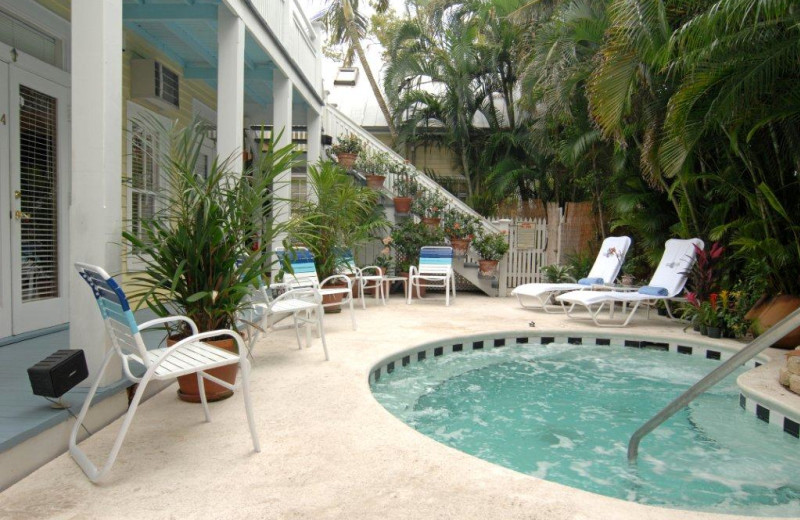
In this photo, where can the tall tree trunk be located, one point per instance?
(355, 41)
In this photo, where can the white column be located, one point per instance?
(230, 86)
(314, 134)
(95, 224)
(282, 124)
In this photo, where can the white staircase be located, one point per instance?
(336, 124)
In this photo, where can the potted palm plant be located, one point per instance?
(340, 216)
(203, 252)
(408, 238)
(347, 150)
(491, 247)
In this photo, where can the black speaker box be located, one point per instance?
(59, 372)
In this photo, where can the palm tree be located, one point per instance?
(346, 25)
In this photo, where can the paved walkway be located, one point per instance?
(329, 450)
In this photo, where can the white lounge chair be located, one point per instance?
(435, 270)
(188, 356)
(604, 271)
(667, 283)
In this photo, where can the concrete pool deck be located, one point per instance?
(329, 450)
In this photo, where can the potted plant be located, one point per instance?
(711, 316)
(460, 229)
(408, 238)
(205, 250)
(340, 216)
(375, 166)
(405, 187)
(557, 274)
(347, 149)
(429, 205)
(491, 247)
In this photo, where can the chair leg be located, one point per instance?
(352, 313)
(307, 325)
(297, 331)
(80, 457)
(410, 289)
(321, 326)
(447, 293)
(244, 368)
(201, 387)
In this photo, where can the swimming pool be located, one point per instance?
(564, 412)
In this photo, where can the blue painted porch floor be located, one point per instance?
(24, 415)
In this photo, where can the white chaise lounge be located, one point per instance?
(604, 271)
(667, 283)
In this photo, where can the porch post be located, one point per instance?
(282, 124)
(230, 86)
(314, 135)
(95, 223)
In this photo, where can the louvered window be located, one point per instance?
(39, 198)
(144, 176)
(19, 35)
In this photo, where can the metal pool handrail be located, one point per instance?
(773, 334)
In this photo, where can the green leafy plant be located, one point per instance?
(341, 216)
(408, 238)
(428, 204)
(374, 163)
(491, 246)
(457, 224)
(405, 183)
(348, 143)
(206, 249)
(558, 273)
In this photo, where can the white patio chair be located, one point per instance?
(303, 305)
(188, 356)
(604, 271)
(368, 277)
(304, 274)
(435, 270)
(667, 283)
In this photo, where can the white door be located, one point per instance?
(36, 139)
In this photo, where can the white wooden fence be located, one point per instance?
(527, 239)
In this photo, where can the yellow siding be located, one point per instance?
(60, 7)
(440, 160)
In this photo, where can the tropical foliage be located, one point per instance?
(674, 118)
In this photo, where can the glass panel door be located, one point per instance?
(38, 178)
(6, 199)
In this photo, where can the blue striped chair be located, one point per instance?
(188, 356)
(304, 274)
(435, 270)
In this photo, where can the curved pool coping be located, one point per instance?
(757, 394)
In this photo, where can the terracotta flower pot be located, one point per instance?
(488, 267)
(460, 246)
(769, 311)
(333, 299)
(402, 204)
(346, 160)
(375, 182)
(187, 385)
(432, 222)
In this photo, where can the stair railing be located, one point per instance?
(772, 334)
(339, 124)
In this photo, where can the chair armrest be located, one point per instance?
(168, 319)
(371, 268)
(413, 271)
(339, 277)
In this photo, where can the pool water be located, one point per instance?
(565, 413)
